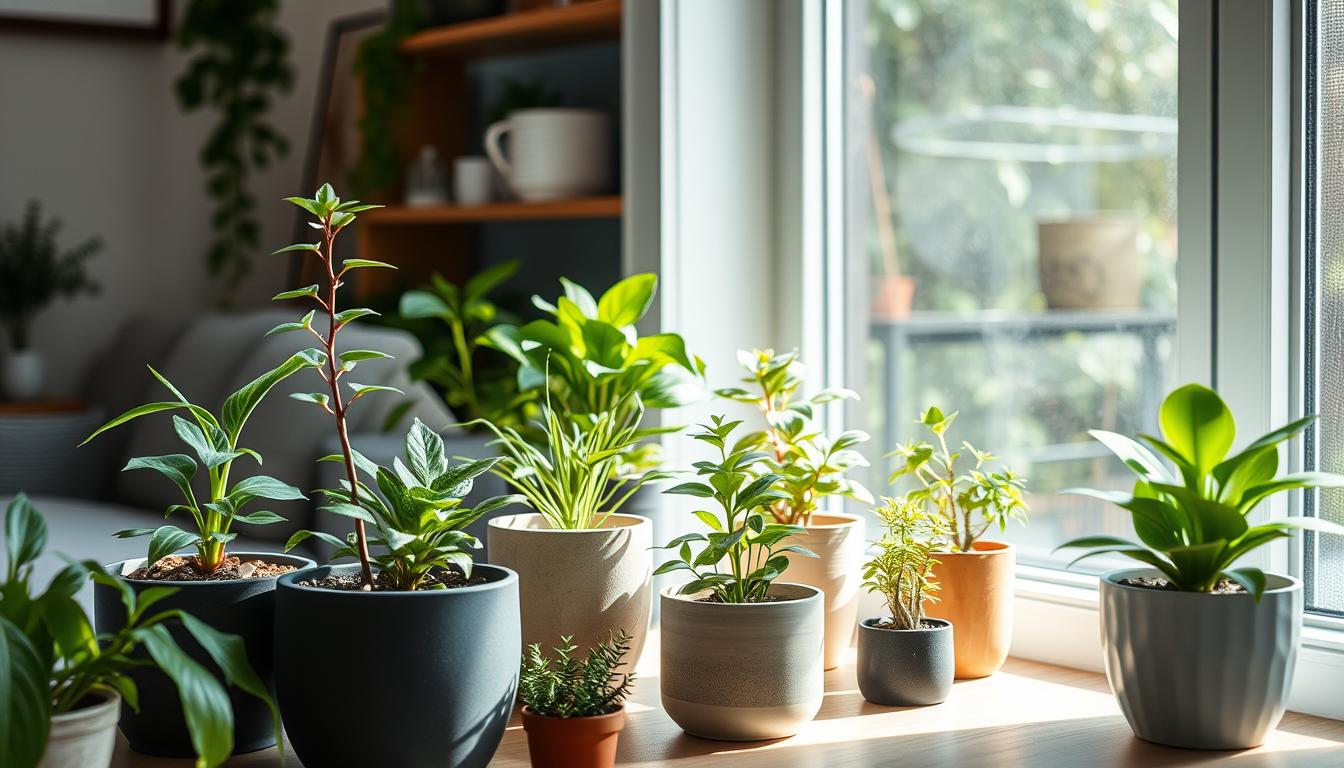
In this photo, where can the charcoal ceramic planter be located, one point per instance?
(243, 607)
(905, 667)
(1197, 670)
(408, 679)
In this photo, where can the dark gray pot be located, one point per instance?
(905, 667)
(244, 607)
(408, 679)
(1196, 670)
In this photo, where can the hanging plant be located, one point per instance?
(385, 88)
(239, 64)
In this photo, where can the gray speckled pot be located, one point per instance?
(407, 679)
(1196, 670)
(905, 667)
(742, 672)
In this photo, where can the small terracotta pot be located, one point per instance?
(894, 298)
(573, 742)
(837, 539)
(976, 594)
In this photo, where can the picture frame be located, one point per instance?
(147, 19)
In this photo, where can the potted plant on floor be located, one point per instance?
(62, 686)
(233, 593)
(413, 621)
(741, 652)
(813, 469)
(974, 574)
(574, 708)
(905, 659)
(1199, 651)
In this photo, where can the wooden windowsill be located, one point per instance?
(1030, 714)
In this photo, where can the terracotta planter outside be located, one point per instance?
(584, 583)
(976, 595)
(894, 298)
(572, 742)
(84, 737)
(837, 539)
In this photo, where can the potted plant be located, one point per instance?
(574, 709)
(233, 593)
(741, 653)
(975, 575)
(812, 467)
(33, 273)
(62, 686)
(426, 629)
(905, 659)
(1199, 650)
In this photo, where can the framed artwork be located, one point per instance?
(128, 18)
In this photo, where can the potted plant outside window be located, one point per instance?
(574, 708)
(742, 654)
(412, 621)
(62, 686)
(813, 469)
(1200, 651)
(974, 574)
(905, 659)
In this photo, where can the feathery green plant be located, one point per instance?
(34, 271)
(902, 569)
(567, 686)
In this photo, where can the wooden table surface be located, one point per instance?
(1029, 714)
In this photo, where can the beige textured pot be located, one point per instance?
(84, 738)
(742, 672)
(1091, 262)
(975, 593)
(837, 538)
(583, 583)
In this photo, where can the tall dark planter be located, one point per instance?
(408, 679)
(244, 607)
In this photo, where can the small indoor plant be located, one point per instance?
(573, 707)
(233, 593)
(62, 685)
(905, 659)
(33, 273)
(729, 633)
(813, 470)
(1200, 650)
(428, 630)
(975, 575)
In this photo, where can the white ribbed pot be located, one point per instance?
(85, 737)
(585, 583)
(742, 672)
(1196, 670)
(24, 373)
(837, 539)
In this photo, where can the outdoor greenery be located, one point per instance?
(34, 271)
(419, 518)
(752, 548)
(51, 660)
(812, 465)
(239, 64)
(970, 502)
(568, 686)
(215, 441)
(385, 78)
(1192, 525)
(902, 569)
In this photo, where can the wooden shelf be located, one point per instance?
(579, 208)
(523, 32)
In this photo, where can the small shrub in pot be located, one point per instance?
(574, 707)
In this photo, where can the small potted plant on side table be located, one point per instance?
(573, 708)
(1200, 653)
(905, 659)
(974, 574)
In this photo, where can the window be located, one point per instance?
(1011, 195)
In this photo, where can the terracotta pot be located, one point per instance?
(1091, 262)
(84, 737)
(894, 298)
(742, 672)
(838, 540)
(585, 583)
(976, 595)
(572, 742)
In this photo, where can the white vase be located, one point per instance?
(553, 153)
(837, 540)
(24, 374)
(84, 738)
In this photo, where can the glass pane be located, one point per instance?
(1013, 193)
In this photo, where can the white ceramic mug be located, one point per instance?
(553, 153)
(472, 180)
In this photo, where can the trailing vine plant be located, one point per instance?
(385, 87)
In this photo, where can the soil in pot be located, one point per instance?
(178, 568)
(85, 736)
(905, 667)
(354, 582)
(573, 742)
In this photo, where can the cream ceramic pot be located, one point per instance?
(584, 583)
(837, 539)
(742, 672)
(553, 153)
(84, 738)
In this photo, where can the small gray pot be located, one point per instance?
(905, 667)
(1196, 670)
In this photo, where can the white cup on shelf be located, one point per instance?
(472, 180)
(553, 153)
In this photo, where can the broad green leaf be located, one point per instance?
(1251, 579)
(421, 304)
(354, 355)
(1198, 425)
(239, 405)
(230, 655)
(25, 713)
(692, 489)
(481, 283)
(302, 325)
(166, 540)
(195, 438)
(348, 315)
(318, 398)
(1289, 482)
(424, 453)
(627, 301)
(300, 536)
(605, 344)
(263, 487)
(364, 389)
(205, 703)
(145, 410)
(348, 264)
(580, 296)
(178, 467)
(67, 623)
(25, 534)
(260, 517)
(1134, 455)
(349, 510)
(308, 291)
(314, 247)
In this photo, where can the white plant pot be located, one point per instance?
(84, 738)
(837, 539)
(24, 374)
(553, 153)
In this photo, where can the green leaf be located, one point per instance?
(355, 355)
(353, 314)
(302, 325)
(710, 520)
(1251, 579)
(263, 487)
(195, 438)
(300, 536)
(230, 655)
(364, 389)
(424, 453)
(422, 304)
(25, 534)
(692, 489)
(1134, 455)
(317, 398)
(1198, 425)
(580, 296)
(66, 621)
(309, 291)
(1288, 482)
(314, 247)
(363, 263)
(145, 410)
(350, 510)
(205, 703)
(166, 540)
(627, 301)
(260, 517)
(604, 344)
(239, 405)
(178, 467)
(25, 713)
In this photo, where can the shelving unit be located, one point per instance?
(526, 32)
(578, 208)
